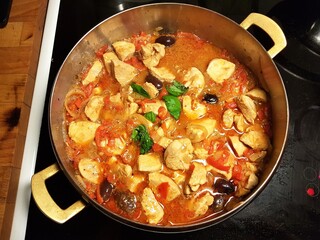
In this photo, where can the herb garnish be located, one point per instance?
(141, 135)
(173, 105)
(138, 89)
(151, 116)
(177, 89)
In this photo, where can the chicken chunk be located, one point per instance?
(124, 49)
(107, 58)
(119, 169)
(151, 89)
(93, 108)
(151, 207)
(247, 107)
(152, 53)
(220, 69)
(153, 106)
(82, 132)
(200, 129)
(132, 108)
(93, 73)
(237, 145)
(123, 72)
(256, 139)
(257, 156)
(228, 117)
(179, 154)
(134, 182)
(156, 179)
(257, 94)
(240, 123)
(252, 181)
(197, 178)
(162, 73)
(201, 204)
(149, 162)
(194, 79)
(90, 170)
(192, 108)
(116, 147)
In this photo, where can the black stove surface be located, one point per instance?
(288, 208)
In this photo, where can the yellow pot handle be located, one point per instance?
(271, 28)
(45, 202)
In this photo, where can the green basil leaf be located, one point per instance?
(177, 89)
(151, 116)
(138, 89)
(141, 135)
(173, 105)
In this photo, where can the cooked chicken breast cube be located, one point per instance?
(194, 79)
(152, 53)
(123, 72)
(256, 140)
(151, 89)
(149, 162)
(153, 106)
(240, 123)
(156, 178)
(163, 74)
(257, 156)
(119, 169)
(93, 73)
(257, 94)
(93, 108)
(198, 177)
(118, 146)
(237, 145)
(179, 154)
(192, 108)
(200, 129)
(124, 50)
(247, 107)
(90, 170)
(252, 181)
(107, 58)
(228, 117)
(164, 142)
(151, 207)
(82, 132)
(134, 182)
(132, 108)
(220, 69)
(200, 152)
(201, 205)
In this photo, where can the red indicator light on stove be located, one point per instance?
(310, 192)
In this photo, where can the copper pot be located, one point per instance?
(207, 25)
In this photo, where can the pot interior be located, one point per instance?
(207, 25)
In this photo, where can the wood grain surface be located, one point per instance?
(19, 51)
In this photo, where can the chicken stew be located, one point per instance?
(167, 129)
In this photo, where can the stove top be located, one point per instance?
(288, 208)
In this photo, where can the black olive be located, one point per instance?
(106, 190)
(210, 98)
(218, 203)
(126, 201)
(224, 186)
(166, 40)
(155, 81)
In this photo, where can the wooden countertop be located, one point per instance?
(19, 51)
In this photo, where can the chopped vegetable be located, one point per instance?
(138, 89)
(177, 89)
(151, 116)
(173, 105)
(141, 135)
